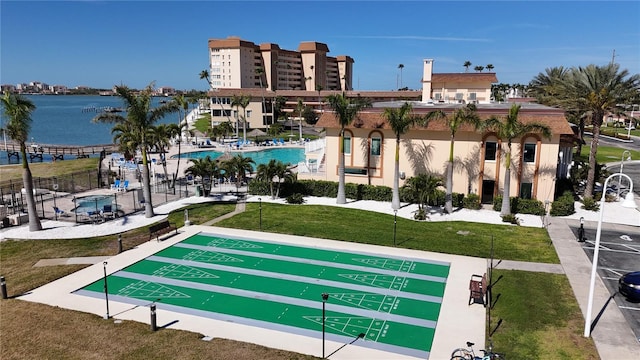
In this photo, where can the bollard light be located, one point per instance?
(395, 222)
(581, 231)
(154, 325)
(3, 288)
(119, 243)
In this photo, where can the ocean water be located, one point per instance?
(64, 120)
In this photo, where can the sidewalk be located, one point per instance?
(612, 335)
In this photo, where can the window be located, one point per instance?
(375, 146)
(248, 113)
(529, 154)
(525, 190)
(490, 150)
(347, 144)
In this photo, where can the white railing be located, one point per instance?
(315, 145)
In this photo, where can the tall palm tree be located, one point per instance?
(236, 101)
(139, 119)
(464, 115)
(260, 72)
(490, 67)
(401, 120)
(346, 110)
(300, 107)
(478, 68)
(245, 100)
(597, 90)
(275, 171)
(176, 131)
(401, 66)
(319, 90)
(159, 137)
(17, 110)
(509, 130)
(239, 166)
(466, 65)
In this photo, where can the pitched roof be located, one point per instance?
(464, 77)
(374, 118)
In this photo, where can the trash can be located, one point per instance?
(198, 190)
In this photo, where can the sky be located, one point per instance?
(104, 43)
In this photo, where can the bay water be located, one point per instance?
(66, 120)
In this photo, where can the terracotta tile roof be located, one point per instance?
(372, 119)
(463, 77)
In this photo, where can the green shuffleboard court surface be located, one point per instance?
(395, 302)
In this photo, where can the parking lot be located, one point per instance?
(619, 254)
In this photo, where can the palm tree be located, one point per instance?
(346, 110)
(466, 65)
(140, 118)
(274, 171)
(244, 102)
(236, 101)
(17, 110)
(508, 130)
(464, 115)
(319, 90)
(239, 166)
(401, 120)
(401, 66)
(300, 107)
(490, 67)
(204, 168)
(420, 188)
(159, 137)
(260, 72)
(596, 90)
(478, 68)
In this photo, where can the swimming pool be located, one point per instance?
(89, 203)
(287, 155)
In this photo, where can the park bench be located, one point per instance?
(477, 289)
(161, 228)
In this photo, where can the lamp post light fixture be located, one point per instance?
(629, 202)
(260, 206)
(325, 297)
(395, 225)
(106, 291)
(622, 160)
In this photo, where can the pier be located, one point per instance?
(57, 152)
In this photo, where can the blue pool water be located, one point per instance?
(92, 203)
(287, 155)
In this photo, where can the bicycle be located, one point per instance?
(469, 354)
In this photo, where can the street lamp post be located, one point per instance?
(629, 202)
(581, 230)
(622, 160)
(106, 291)
(325, 297)
(260, 206)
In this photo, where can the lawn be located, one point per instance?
(607, 154)
(525, 296)
(49, 169)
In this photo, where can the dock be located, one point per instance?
(57, 152)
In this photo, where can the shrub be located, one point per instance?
(472, 201)
(420, 214)
(296, 198)
(530, 206)
(511, 218)
(589, 203)
(564, 205)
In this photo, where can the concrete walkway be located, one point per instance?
(612, 335)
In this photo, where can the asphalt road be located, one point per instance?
(619, 254)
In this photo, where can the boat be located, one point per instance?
(111, 109)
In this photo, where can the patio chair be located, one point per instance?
(115, 185)
(124, 186)
(59, 212)
(108, 210)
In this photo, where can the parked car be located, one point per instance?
(629, 285)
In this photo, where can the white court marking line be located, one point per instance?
(629, 308)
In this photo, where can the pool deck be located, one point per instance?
(458, 322)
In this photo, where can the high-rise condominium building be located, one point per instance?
(238, 64)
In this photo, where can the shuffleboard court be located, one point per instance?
(393, 302)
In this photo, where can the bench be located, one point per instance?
(477, 289)
(161, 228)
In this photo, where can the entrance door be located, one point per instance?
(487, 191)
